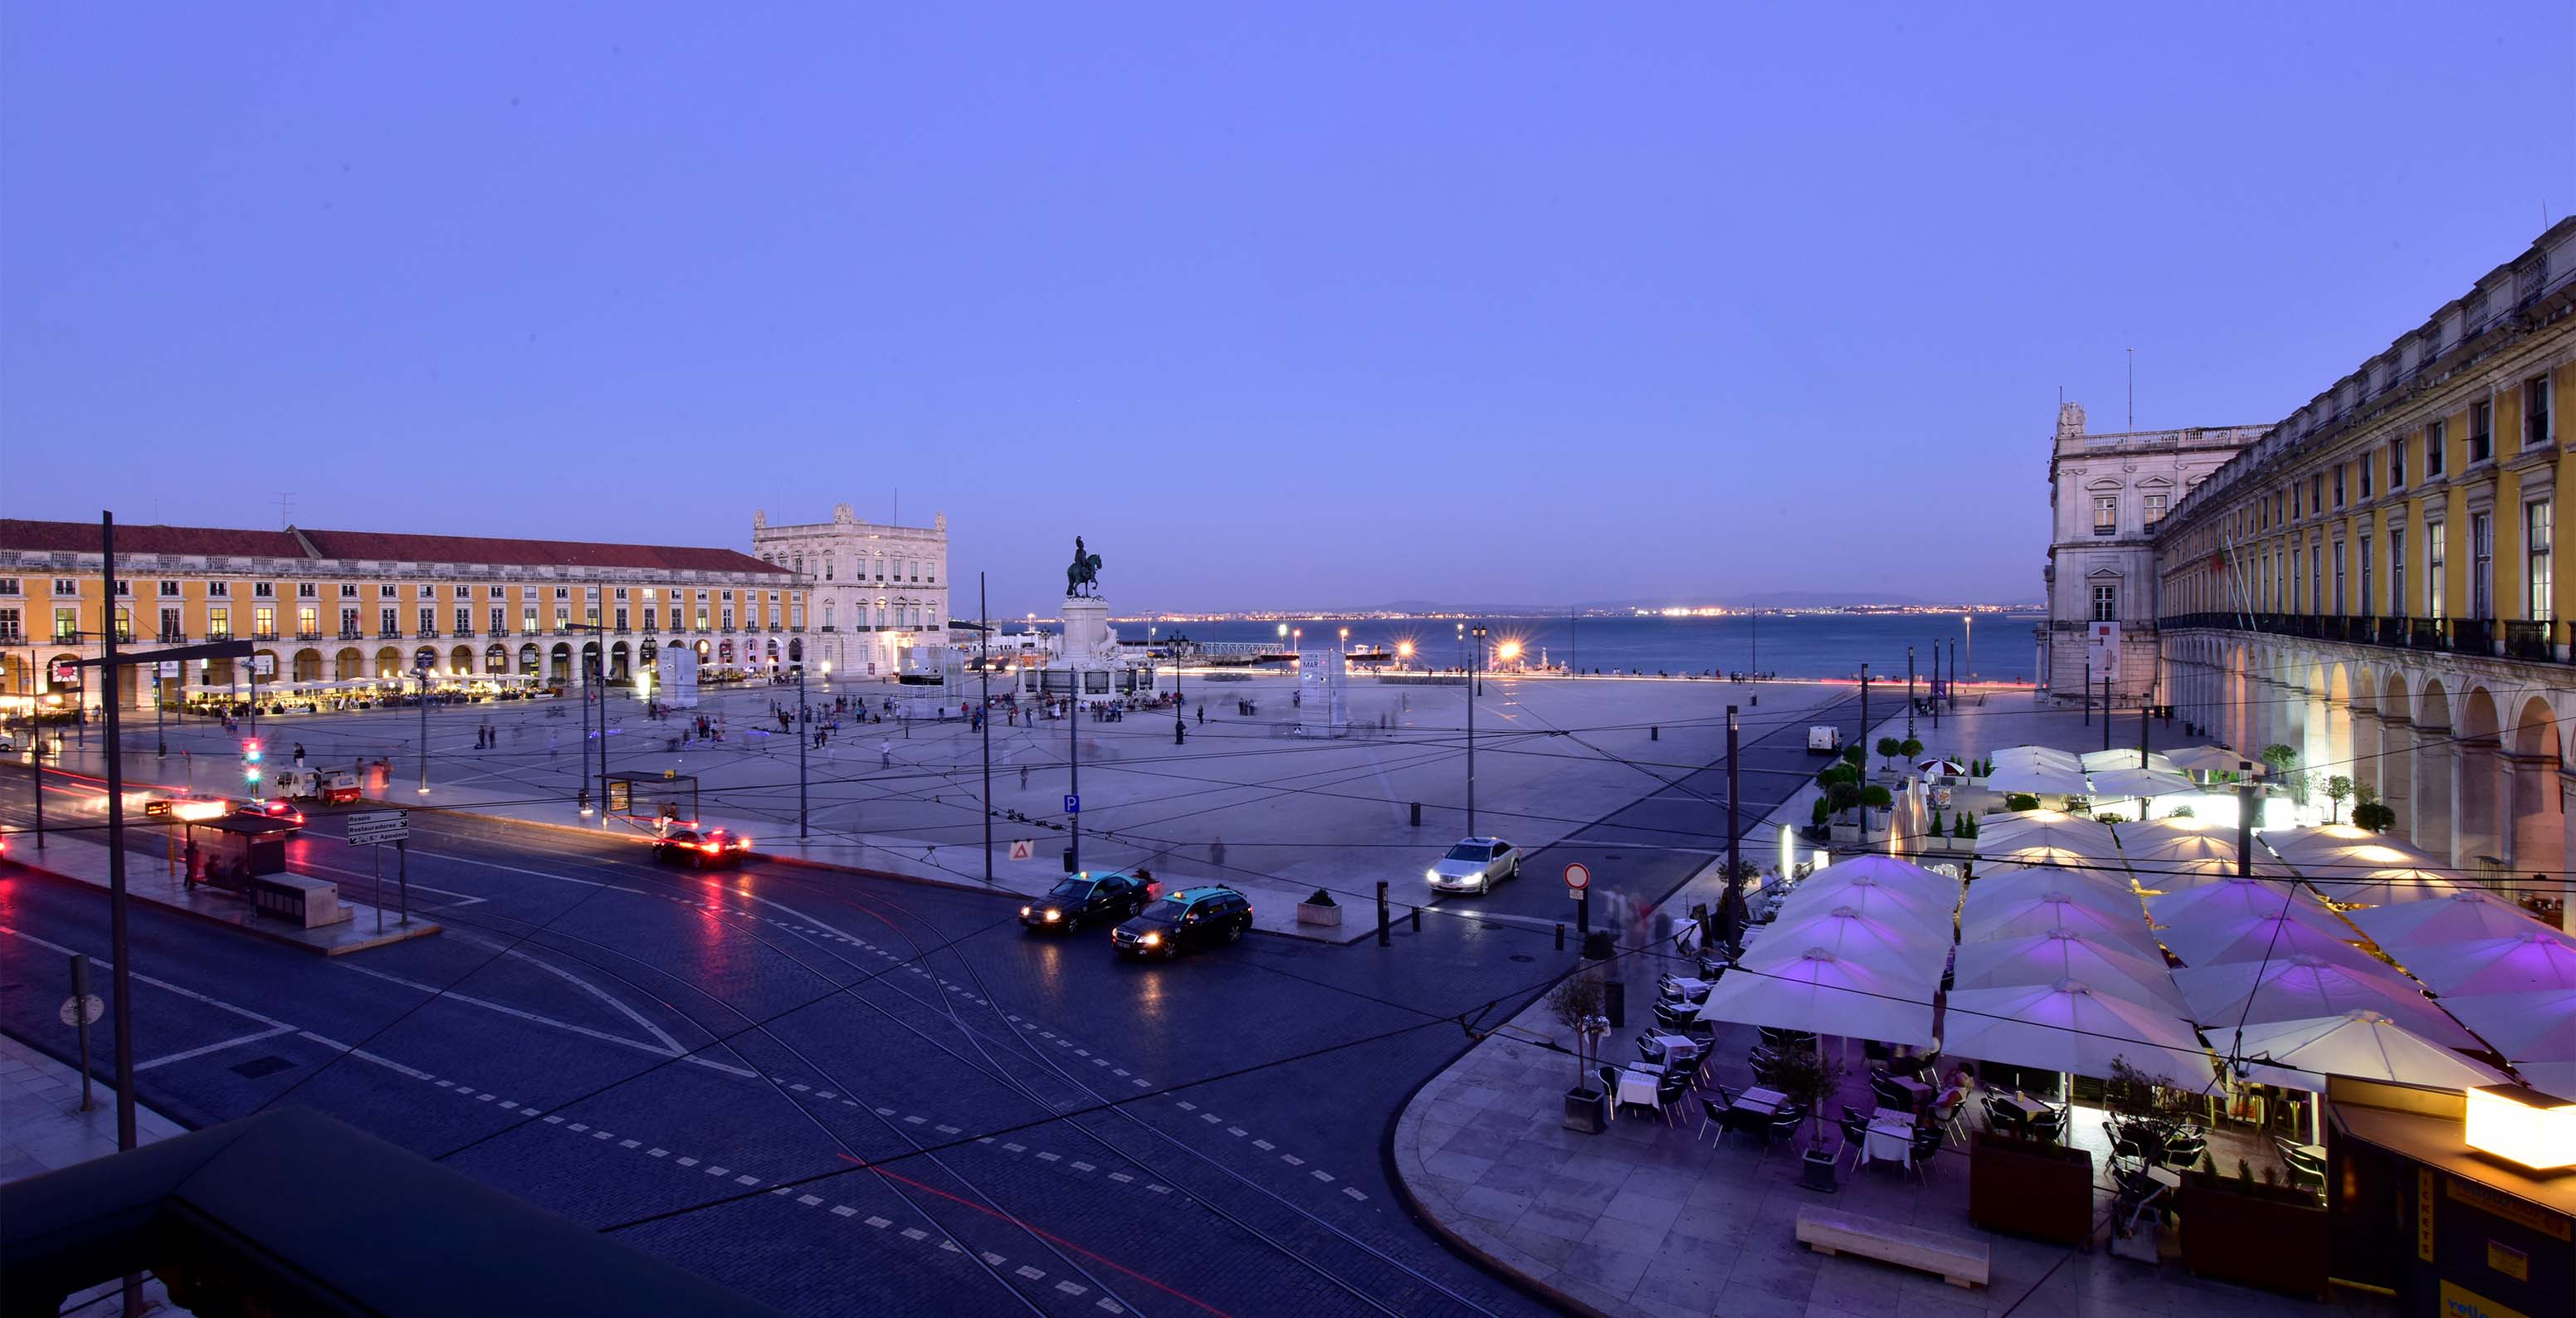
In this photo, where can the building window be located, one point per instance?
(728, 618)
(2363, 466)
(219, 624)
(2437, 586)
(702, 611)
(2397, 465)
(652, 618)
(528, 619)
(2316, 577)
(2106, 604)
(308, 620)
(2397, 570)
(429, 622)
(348, 624)
(219, 589)
(67, 623)
(2297, 555)
(621, 620)
(2481, 431)
(263, 621)
(827, 615)
(827, 568)
(2481, 565)
(2338, 485)
(501, 620)
(9, 624)
(385, 592)
(169, 590)
(2437, 444)
(464, 620)
(348, 591)
(386, 624)
(563, 618)
(2155, 513)
(170, 625)
(2106, 514)
(2339, 608)
(2538, 604)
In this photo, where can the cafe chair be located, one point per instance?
(1783, 1125)
(1889, 1093)
(2049, 1126)
(1609, 1077)
(1855, 1128)
(2126, 1156)
(1925, 1147)
(1670, 1090)
(1648, 1050)
(1680, 1016)
(2186, 1147)
(1714, 1116)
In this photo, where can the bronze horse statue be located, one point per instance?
(1085, 570)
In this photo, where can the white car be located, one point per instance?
(1474, 864)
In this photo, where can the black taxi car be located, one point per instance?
(1190, 918)
(1105, 897)
(701, 849)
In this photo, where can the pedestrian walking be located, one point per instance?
(299, 755)
(1216, 852)
(1024, 777)
(885, 755)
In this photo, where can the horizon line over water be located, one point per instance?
(1790, 645)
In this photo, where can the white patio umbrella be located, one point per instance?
(2244, 899)
(2145, 855)
(2463, 915)
(2060, 908)
(1931, 911)
(2039, 780)
(2208, 759)
(1822, 995)
(2008, 855)
(2176, 876)
(2301, 987)
(2136, 837)
(1886, 870)
(2537, 1027)
(1941, 765)
(2134, 781)
(2067, 1026)
(2221, 939)
(2557, 1079)
(2046, 828)
(2364, 1044)
(2028, 754)
(2540, 958)
(2107, 965)
(2327, 848)
(2405, 886)
(2125, 757)
(1896, 948)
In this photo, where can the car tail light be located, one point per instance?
(708, 847)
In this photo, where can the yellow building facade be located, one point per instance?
(336, 611)
(2380, 583)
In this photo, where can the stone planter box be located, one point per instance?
(1587, 1110)
(2030, 1188)
(2270, 1237)
(1318, 914)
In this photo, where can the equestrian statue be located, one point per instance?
(1084, 572)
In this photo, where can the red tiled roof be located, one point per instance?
(82, 538)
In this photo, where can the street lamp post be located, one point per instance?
(422, 671)
(802, 736)
(1472, 656)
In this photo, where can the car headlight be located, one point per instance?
(1153, 940)
(1024, 910)
(1053, 916)
(1433, 875)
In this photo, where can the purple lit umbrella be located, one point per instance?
(2067, 1026)
(2399, 886)
(1820, 994)
(2528, 1028)
(2302, 987)
(2327, 849)
(2221, 939)
(2463, 915)
(2541, 958)
(1899, 949)
(2107, 966)
(2243, 898)
(2047, 828)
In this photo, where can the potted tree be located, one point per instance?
(1888, 749)
(1810, 1079)
(1910, 748)
(1576, 1003)
(2370, 812)
(2338, 791)
(1874, 797)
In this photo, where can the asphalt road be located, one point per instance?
(841, 1094)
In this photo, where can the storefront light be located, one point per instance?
(2523, 1125)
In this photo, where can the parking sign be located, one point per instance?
(1072, 804)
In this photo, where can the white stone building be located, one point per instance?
(2107, 494)
(877, 594)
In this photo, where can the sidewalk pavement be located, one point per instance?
(1649, 1220)
(150, 881)
(42, 1128)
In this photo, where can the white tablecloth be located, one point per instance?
(1677, 1048)
(1889, 1138)
(1638, 1087)
(1692, 989)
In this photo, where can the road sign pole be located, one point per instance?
(377, 856)
(984, 676)
(1073, 743)
(402, 879)
(120, 975)
(80, 1012)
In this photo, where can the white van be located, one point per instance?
(1824, 739)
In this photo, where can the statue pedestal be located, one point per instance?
(1087, 642)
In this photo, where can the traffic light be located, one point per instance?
(250, 760)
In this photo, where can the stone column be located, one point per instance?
(2433, 782)
(2531, 830)
(2476, 807)
(2396, 769)
(2365, 750)
(2566, 830)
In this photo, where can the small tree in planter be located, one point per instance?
(1855, 757)
(1910, 748)
(1576, 1003)
(1888, 749)
(2281, 758)
(1875, 797)
(2021, 801)
(2338, 791)
(1811, 1079)
(2370, 812)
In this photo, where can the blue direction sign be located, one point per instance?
(1072, 804)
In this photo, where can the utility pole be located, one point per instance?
(1473, 656)
(423, 673)
(160, 733)
(121, 975)
(1954, 675)
(1936, 684)
(2088, 693)
(1909, 693)
(1073, 760)
(2106, 711)
(802, 736)
(599, 682)
(1863, 738)
(2245, 819)
(984, 675)
(1730, 914)
(2143, 707)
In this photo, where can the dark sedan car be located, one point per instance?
(1190, 918)
(705, 849)
(1088, 898)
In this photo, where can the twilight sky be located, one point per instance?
(1280, 306)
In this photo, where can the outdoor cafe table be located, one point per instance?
(1754, 1108)
(2022, 1109)
(1692, 990)
(1891, 1135)
(1915, 1089)
(1671, 1044)
(1640, 1084)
